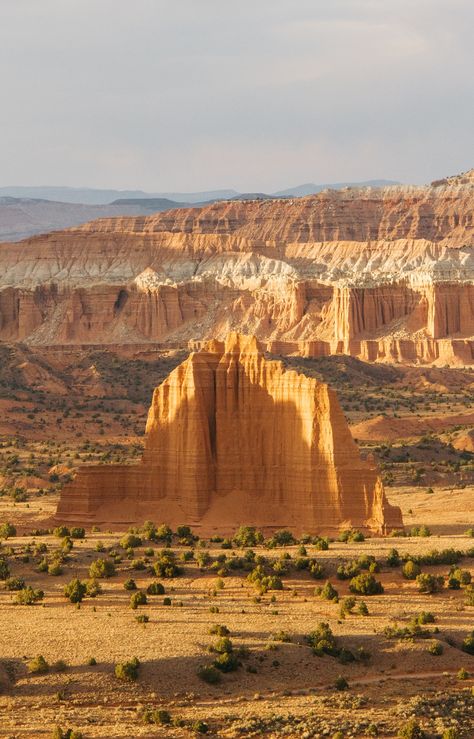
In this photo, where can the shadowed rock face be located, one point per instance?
(232, 438)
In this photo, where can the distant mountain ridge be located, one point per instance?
(26, 211)
(92, 196)
(300, 191)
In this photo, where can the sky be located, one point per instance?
(256, 95)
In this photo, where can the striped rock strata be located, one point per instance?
(232, 438)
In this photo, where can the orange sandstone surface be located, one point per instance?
(380, 274)
(232, 438)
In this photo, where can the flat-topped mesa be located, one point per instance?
(233, 438)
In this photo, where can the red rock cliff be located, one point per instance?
(380, 274)
(232, 438)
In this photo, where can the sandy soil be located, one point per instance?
(279, 678)
(92, 408)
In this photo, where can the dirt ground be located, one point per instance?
(281, 687)
(59, 412)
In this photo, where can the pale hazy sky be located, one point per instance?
(250, 94)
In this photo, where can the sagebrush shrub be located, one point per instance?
(127, 670)
(38, 665)
(101, 568)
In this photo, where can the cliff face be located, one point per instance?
(233, 438)
(381, 274)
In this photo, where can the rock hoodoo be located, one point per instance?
(233, 438)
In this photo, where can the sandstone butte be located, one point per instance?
(232, 438)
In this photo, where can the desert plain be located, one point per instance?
(392, 657)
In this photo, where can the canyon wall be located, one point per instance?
(232, 439)
(384, 275)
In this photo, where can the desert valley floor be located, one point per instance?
(409, 656)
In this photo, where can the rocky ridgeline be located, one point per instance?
(381, 274)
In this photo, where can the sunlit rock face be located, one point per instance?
(232, 438)
(380, 274)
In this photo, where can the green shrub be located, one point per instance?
(75, 590)
(411, 570)
(130, 541)
(142, 618)
(425, 617)
(393, 559)
(209, 674)
(429, 583)
(61, 532)
(462, 674)
(66, 545)
(4, 569)
(93, 588)
(349, 535)
(163, 533)
(451, 733)
(28, 596)
(341, 683)
(101, 568)
(264, 582)
(411, 730)
(315, 569)
(55, 568)
(347, 606)
(148, 530)
(200, 727)
(436, 649)
(38, 665)
(6, 530)
(58, 733)
(158, 716)
(60, 666)
(247, 536)
(203, 559)
(362, 609)
(219, 630)
(280, 538)
(127, 670)
(328, 592)
(321, 543)
(78, 532)
(365, 584)
(468, 643)
(420, 531)
(227, 662)
(14, 583)
(322, 640)
(130, 584)
(462, 576)
(185, 536)
(166, 601)
(165, 565)
(155, 588)
(138, 599)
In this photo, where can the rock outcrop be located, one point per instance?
(232, 438)
(384, 275)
